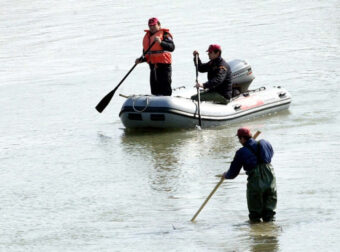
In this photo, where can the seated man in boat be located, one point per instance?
(218, 88)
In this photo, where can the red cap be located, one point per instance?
(153, 21)
(214, 47)
(243, 132)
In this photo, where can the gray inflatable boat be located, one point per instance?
(145, 111)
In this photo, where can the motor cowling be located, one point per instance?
(242, 74)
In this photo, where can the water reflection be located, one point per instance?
(161, 149)
(173, 154)
(103, 139)
(159, 145)
(264, 237)
(170, 148)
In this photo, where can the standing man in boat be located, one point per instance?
(158, 57)
(255, 158)
(219, 86)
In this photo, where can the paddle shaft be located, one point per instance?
(217, 186)
(107, 98)
(198, 93)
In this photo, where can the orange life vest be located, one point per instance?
(156, 53)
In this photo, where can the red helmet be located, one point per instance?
(244, 132)
(153, 21)
(214, 47)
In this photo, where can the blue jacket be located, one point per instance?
(249, 156)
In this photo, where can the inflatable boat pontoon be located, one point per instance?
(144, 111)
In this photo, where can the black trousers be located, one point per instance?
(160, 79)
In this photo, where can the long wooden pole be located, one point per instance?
(216, 187)
(207, 199)
(198, 93)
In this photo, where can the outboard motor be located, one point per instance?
(242, 75)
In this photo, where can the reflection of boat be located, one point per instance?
(181, 112)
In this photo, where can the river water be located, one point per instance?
(72, 179)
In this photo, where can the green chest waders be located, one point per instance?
(261, 193)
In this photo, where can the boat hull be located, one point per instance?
(179, 112)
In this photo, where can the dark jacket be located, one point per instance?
(219, 76)
(251, 154)
(167, 43)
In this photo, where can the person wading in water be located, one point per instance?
(255, 158)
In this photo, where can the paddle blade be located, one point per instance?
(105, 101)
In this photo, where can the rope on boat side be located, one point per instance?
(146, 105)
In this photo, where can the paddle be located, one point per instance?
(107, 98)
(198, 93)
(218, 184)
